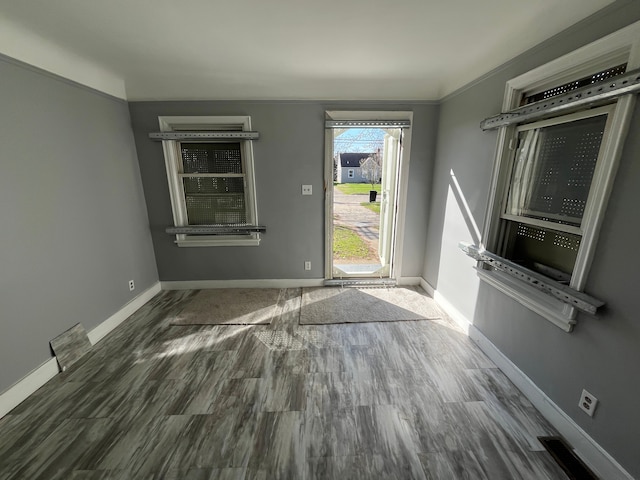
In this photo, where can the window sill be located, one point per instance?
(217, 241)
(553, 310)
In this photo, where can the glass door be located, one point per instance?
(364, 197)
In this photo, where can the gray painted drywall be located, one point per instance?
(601, 355)
(289, 153)
(74, 227)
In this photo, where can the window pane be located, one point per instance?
(553, 170)
(211, 157)
(209, 185)
(213, 200)
(549, 252)
(216, 209)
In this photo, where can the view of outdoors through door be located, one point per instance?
(365, 162)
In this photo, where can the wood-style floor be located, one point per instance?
(399, 400)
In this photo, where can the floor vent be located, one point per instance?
(568, 461)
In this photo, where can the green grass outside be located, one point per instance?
(347, 244)
(356, 188)
(373, 206)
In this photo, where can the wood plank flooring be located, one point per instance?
(400, 400)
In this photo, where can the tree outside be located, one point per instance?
(371, 168)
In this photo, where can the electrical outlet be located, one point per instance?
(307, 189)
(307, 265)
(588, 403)
(132, 286)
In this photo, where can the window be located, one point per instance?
(548, 189)
(351, 173)
(554, 172)
(211, 182)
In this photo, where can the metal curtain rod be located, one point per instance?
(611, 88)
(367, 123)
(202, 135)
(580, 300)
(216, 229)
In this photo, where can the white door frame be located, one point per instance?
(401, 196)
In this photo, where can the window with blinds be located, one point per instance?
(550, 182)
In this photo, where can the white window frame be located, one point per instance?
(617, 48)
(173, 160)
(558, 120)
(351, 173)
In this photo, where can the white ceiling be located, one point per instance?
(285, 49)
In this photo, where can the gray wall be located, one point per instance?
(601, 355)
(74, 225)
(289, 153)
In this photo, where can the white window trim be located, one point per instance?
(351, 173)
(619, 47)
(172, 159)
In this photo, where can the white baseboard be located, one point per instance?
(18, 393)
(586, 447)
(260, 283)
(256, 283)
(21, 390)
(99, 332)
(457, 316)
(427, 287)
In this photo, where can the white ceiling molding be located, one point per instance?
(280, 50)
(23, 45)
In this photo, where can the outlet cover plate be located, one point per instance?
(588, 403)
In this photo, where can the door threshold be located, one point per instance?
(355, 270)
(361, 282)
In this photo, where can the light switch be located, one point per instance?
(307, 190)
